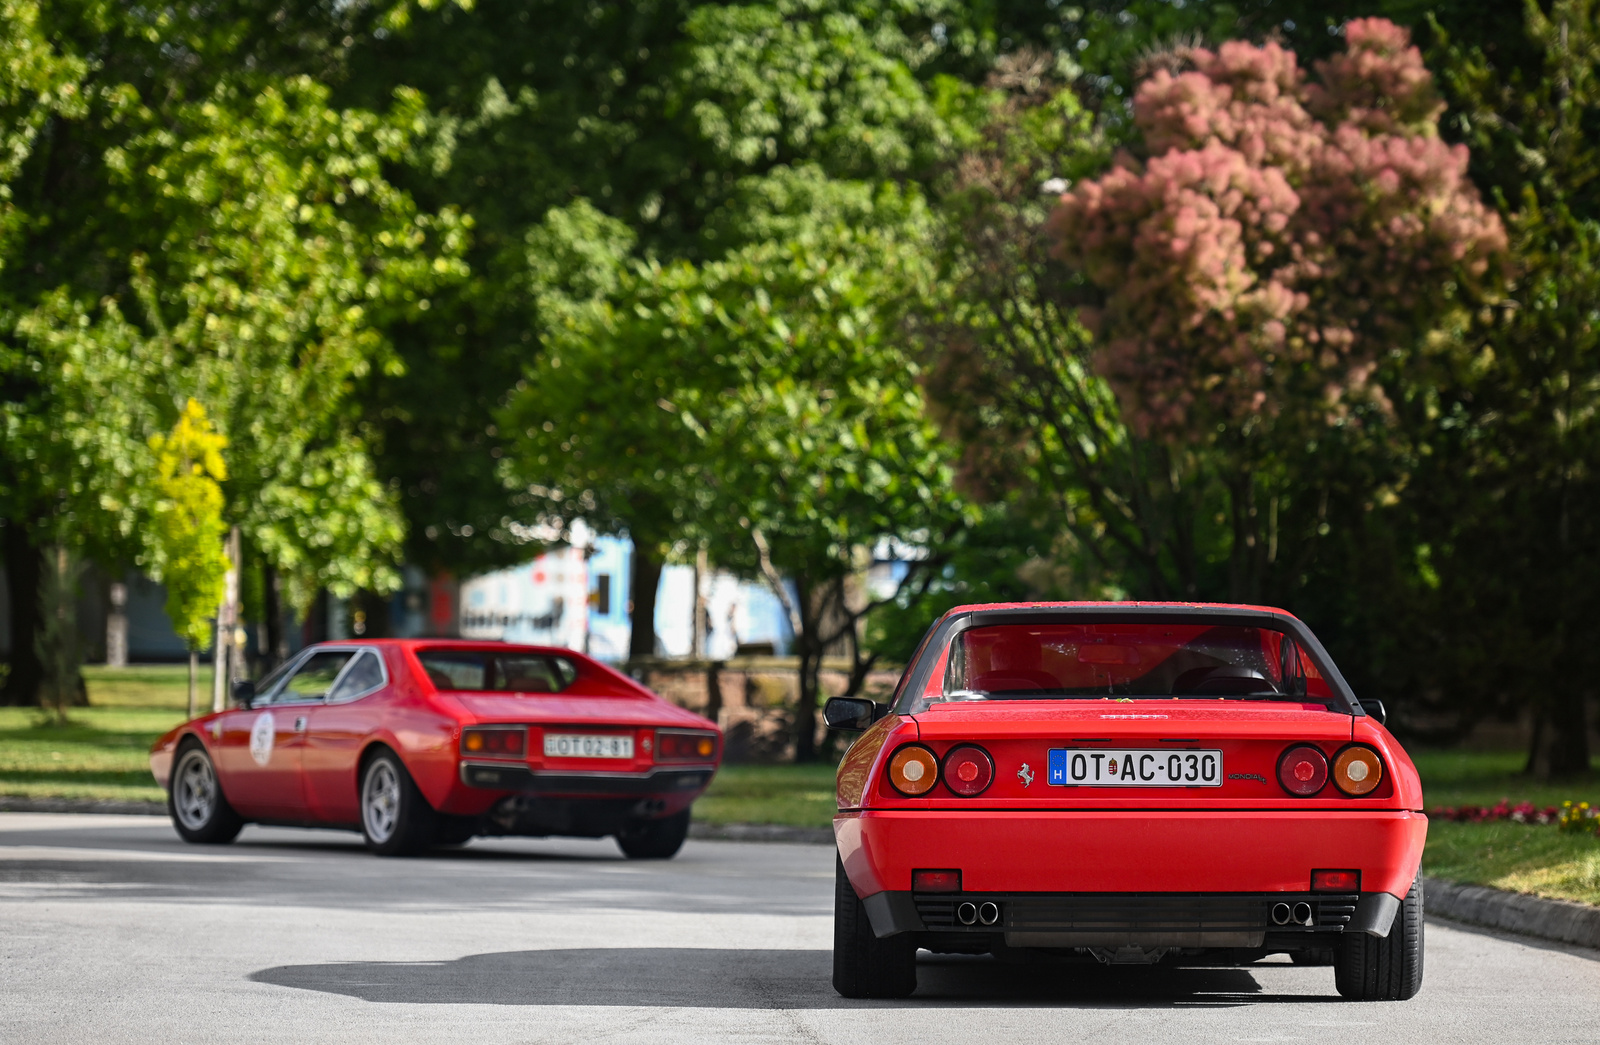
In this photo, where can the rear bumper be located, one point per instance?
(1146, 920)
(521, 779)
(1088, 851)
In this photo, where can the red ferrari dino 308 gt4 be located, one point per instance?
(422, 742)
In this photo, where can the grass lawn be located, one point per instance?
(1523, 858)
(102, 753)
(795, 796)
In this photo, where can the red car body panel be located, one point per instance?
(1021, 835)
(312, 774)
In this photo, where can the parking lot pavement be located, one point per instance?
(112, 930)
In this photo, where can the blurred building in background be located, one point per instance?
(574, 595)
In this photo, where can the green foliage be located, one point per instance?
(186, 527)
(227, 236)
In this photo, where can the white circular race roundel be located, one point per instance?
(261, 737)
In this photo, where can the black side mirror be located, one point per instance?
(849, 713)
(244, 693)
(1375, 709)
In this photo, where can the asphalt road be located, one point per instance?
(112, 930)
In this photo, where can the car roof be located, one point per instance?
(1122, 607)
(486, 645)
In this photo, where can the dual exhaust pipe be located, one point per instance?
(986, 913)
(1299, 914)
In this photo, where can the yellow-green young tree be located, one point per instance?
(186, 527)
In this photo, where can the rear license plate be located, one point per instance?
(1102, 767)
(587, 745)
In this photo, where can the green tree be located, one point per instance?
(204, 223)
(764, 403)
(659, 115)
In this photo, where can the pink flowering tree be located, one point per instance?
(1282, 244)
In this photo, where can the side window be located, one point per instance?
(364, 675)
(312, 680)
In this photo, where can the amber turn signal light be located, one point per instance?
(1357, 770)
(913, 770)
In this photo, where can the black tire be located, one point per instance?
(865, 966)
(395, 819)
(452, 831)
(1390, 969)
(199, 810)
(655, 839)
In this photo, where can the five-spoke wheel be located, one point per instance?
(395, 818)
(199, 809)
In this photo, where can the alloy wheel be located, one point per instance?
(380, 801)
(195, 791)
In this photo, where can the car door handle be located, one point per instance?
(300, 724)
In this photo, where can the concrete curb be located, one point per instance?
(80, 805)
(1559, 920)
(761, 833)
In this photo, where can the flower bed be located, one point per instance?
(1568, 816)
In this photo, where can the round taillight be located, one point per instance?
(1303, 770)
(1357, 770)
(968, 769)
(913, 770)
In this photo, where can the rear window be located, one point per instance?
(488, 671)
(1053, 661)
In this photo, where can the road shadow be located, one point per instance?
(759, 979)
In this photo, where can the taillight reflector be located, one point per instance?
(684, 746)
(968, 770)
(1336, 881)
(495, 741)
(1303, 770)
(927, 881)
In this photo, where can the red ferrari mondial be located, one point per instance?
(1127, 783)
(416, 743)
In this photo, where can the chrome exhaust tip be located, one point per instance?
(989, 912)
(1302, 913)
(967, 913)
(1280, 914)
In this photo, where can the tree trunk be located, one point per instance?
(646, 577)
(23, 576)
(1560, 745)
(274, 649)
(1244, 558)
(810, 656)
(714, 690)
